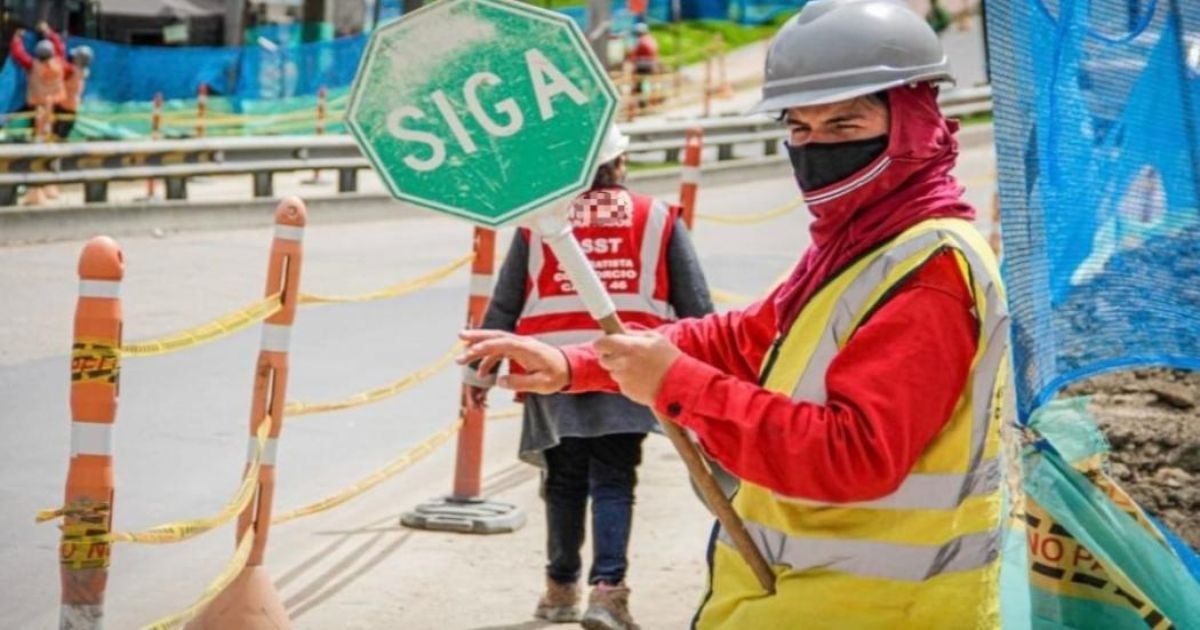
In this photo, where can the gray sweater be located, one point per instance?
(548, 418)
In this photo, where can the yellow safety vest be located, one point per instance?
(925, 556)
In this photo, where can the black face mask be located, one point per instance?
(820, 165)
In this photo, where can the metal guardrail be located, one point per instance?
(95, 164)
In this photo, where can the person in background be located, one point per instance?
(644, 58)
(74, 83)
(45, 69)
(45, 88)
(590, 445)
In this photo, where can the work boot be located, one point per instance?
(608, 608)
(559, 604)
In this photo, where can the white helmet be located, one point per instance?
(615, 143)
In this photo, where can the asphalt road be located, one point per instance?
(182, 423)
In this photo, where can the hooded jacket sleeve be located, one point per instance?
(60, 47)
(19, 53)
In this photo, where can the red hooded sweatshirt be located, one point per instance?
(894, 385)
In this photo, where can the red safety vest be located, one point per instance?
(625, 237)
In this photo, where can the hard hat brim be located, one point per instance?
(788, 98)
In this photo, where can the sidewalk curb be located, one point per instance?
(19, 225)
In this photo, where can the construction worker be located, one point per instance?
(860, 402)
(44, 90)
(45, 69)
(591, 445)
(74, 83)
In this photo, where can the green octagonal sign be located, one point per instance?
(484, 109)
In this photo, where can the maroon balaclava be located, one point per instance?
(908, 183)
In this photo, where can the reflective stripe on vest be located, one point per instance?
(870, 558)
(646, 298)
(938, 533)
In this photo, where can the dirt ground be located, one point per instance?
(1152, 420)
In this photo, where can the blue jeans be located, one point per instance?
(604, 468)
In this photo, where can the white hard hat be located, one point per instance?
(615, 143)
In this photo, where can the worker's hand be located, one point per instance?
(20, 32)
(476, 397)
(546, 370)
(43, 27)
(638, 362)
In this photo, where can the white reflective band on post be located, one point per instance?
(276, 337)
(689, 174)
(81, 615)
(91, 438)
(481, 285)
(99, 289)
(268, 456)
(289, 232)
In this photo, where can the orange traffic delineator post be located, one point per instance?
(319, 129)
(630, 91)
(466, 510)
(155, 134)
(689, 175)
(708, 85)
(201, 108)
(251, 601)
(95, 387)
(724, 89)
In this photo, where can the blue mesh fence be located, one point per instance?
(1096, 132)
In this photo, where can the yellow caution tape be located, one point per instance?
(721, 296)
(49, 515)
(222, 327)
(294, 409)
(183, 530)
(21, 115)
(728, 297)
(393, 291)
(506, 414)
(240, 319)
(746, 219)
(219, 584)
(410, 457)
(84, 510)
(94, 361)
